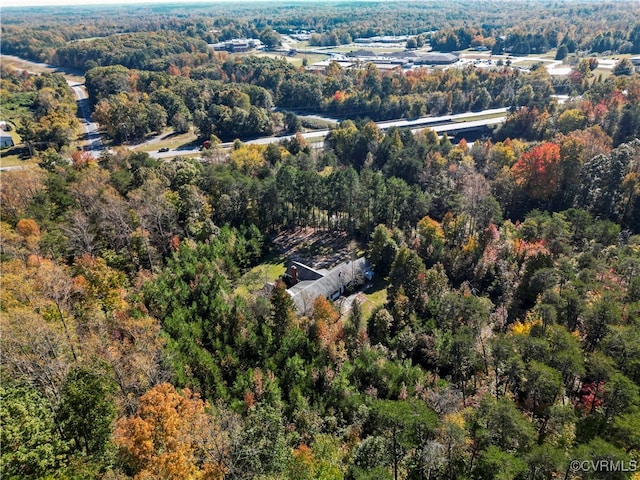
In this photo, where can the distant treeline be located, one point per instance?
(36, 35)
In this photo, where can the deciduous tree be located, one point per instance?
(169, 437)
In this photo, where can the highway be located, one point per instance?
(441, 124)
(461, 126)
(458, 117)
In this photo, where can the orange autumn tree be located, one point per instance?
(536, 171)
(171, 437)
(326, 329)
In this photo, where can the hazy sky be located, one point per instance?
(38, 3)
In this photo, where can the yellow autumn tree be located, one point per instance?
(453, 438)
(38, 342)
(19, 187)
(431, 238)
(248, 158)
(171, 437)
(524, 328)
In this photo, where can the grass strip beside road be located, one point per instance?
(478, 117)
(35, 68)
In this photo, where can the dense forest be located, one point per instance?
(154, 68)
(577, 24)
(505, 342)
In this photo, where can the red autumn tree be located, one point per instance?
(537, 171)
(81, 159)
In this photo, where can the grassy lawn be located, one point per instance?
(266, 54)
(314, 123)
(375, 296)
(342, 49)
(602, 72)
(300, 45)
(478, 117)
(296, 59)
(70, 75)
(268, 271)
(525, 62)
(311, 141)
(171, 141)
(10, 157)
(311, 58)
(376, 50)
(551, 55)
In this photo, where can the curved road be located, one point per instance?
(90, 128)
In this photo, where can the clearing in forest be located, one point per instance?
(317, 248)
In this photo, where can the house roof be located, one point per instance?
(307, 290)
(307, 273)
(437, 57)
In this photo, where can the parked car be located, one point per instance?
(164, 149)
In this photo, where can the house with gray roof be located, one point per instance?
(6, 141)
(307, 284)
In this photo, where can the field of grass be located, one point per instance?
(267, 54)
(312, 140)
(170, 141)
(375, 297)
(602, 72)
(10, 157)
(268, 271)
(478, 117)
(300, 45)
(297, 59)
(315, 123)
(525, 62)
(551, 55)
(35, 68)
(354, 47)
(311, 58)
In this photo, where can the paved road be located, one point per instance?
(440, 124)
(458, 117)
(90, 128)
(471, 124)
